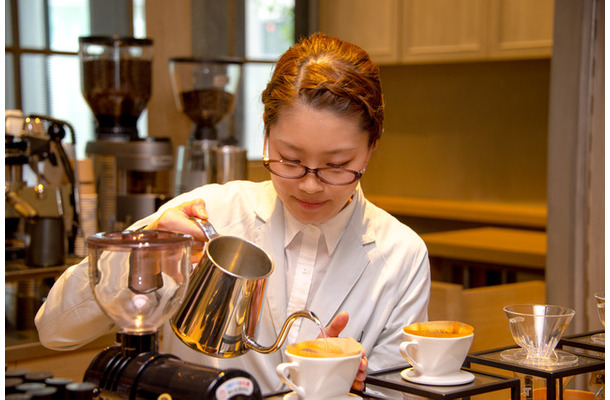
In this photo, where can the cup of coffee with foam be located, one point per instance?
(436, 351)
(323, 368)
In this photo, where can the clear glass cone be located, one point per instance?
(537, 329)
(601, 312)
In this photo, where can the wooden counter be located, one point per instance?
(33, 356)
(22, 347)
(499, 246)
(486, 256)
(491, 213)
(25, 346)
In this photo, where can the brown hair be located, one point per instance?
(325, 72)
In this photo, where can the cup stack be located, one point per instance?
(88, 206)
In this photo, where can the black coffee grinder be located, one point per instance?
(139, 279)
(133, 174)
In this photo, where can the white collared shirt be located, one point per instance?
(308, 249)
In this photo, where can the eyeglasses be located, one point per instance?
(292, 170)
(330, 175)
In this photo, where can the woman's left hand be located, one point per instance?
(333, 330)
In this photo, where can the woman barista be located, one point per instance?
(363, 273)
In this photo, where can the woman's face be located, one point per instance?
(316, 139)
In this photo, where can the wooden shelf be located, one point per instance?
(498, 246)
(522, 215)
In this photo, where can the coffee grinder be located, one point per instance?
(133, 174)
(139, 279)
(205, 90)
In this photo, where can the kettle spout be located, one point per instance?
(251, 343)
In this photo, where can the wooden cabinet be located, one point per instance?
(417, 31)
(443, 30)
(373, 25)
(521, 29)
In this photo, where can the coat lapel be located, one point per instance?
(336, 284)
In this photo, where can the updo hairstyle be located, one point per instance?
(327, 73)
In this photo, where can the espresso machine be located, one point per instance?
(133, 173)
(41, 194)
(205, 90)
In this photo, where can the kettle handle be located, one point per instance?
(205, 226)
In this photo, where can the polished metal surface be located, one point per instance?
(222, 306)
(231, 163)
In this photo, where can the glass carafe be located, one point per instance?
(139, 277)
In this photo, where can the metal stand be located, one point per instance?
(585, 364)
(583, 341)
(484, 382)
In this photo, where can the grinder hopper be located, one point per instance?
(206, 91)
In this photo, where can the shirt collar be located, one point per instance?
(332, 230)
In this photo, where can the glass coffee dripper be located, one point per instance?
(139, 277)
(601, 312)
(537, 328)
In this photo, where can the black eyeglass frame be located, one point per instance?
(316, 171)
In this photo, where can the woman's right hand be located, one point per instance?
(177, 219)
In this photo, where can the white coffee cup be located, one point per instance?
(313, 375)
(436, 348)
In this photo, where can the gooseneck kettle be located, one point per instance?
(221, 309)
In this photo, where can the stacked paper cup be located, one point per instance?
(88, 206)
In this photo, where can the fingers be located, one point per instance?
(195, 208)
(333, 330)
(361, 375)
(337, 325)
(177, 219)
(196, 251)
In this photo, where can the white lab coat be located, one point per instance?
(379, 273)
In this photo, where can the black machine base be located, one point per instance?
(150, 375)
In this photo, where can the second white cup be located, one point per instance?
(436, 357)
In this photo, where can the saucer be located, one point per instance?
(559, 358)
(459, 378)
(599, 338)
(350, 396)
